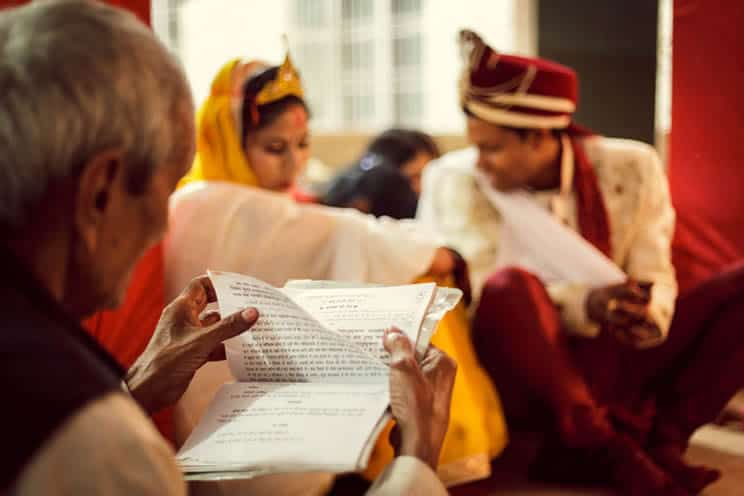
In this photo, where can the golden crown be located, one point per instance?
(287, 83)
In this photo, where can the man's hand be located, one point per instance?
(420, 397)
(637, 335)
(443, 263)
(623, 310)
(181, 344)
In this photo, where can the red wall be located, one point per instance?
(707, 137)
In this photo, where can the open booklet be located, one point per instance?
(311, 390)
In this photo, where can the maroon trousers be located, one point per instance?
(658, 395)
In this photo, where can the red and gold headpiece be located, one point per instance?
(513, 91)
(287, 83)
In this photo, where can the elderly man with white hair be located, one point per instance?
(95, 131)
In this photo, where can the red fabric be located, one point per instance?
(499, 69)
(301, 196)
(594, 223)
(705, 167)
(518, 338)
(494, 73)
(667, 391)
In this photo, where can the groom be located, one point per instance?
(591, 355)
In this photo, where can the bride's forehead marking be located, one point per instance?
(299, 116)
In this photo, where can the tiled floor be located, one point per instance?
(723, 449)
(715, 446)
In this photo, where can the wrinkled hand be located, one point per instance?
(622, 309)
(420, 397)
(181, 344)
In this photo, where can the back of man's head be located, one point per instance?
(78, 77)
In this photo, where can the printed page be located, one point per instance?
(285, 427)
(362, 314)
(535, 240)
(287, 344)
(444, 300)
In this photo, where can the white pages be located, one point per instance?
(311, 390)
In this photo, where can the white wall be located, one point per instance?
(507, 25)
(215, 31)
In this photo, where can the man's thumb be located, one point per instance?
(397, 344)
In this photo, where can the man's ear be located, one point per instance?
(99, 179)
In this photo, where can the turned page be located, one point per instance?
(285, 427)
(362, 314)
(313, 386)
(287, 344)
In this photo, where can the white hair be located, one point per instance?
(78, 77)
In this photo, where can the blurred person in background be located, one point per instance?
(386, 180)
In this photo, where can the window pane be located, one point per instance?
(358, 108)
(357, 55)
(366, 107)
(309, 13)
(348, 109)
(407, 51)
(408, 108)
(312, 59)
(356, 10)
(406, 7)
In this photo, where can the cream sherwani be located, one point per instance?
(636, 195)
